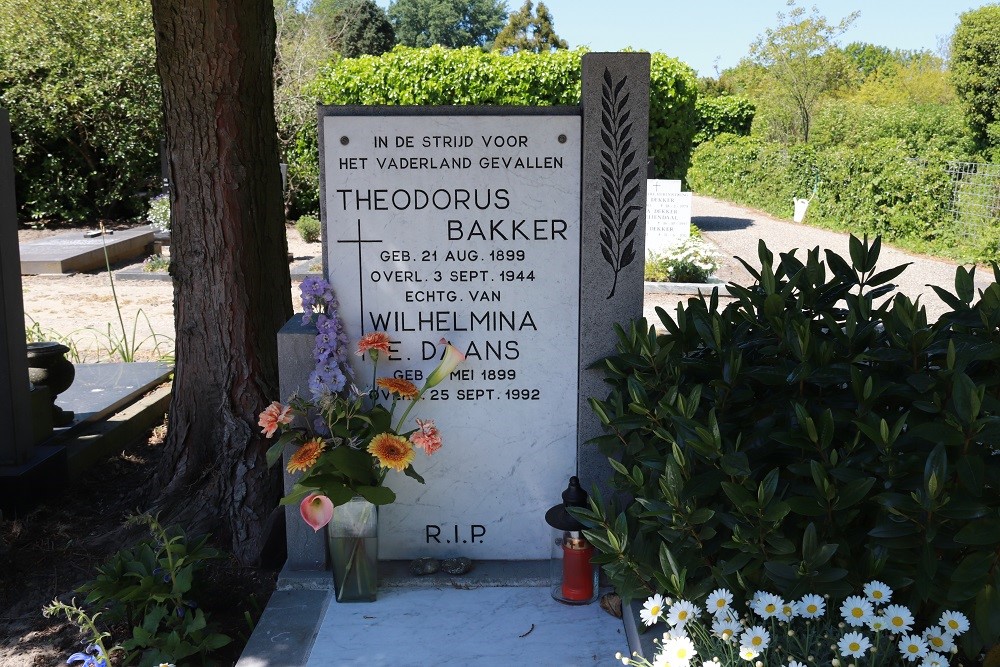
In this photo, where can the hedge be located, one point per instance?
(79, 80)
(439, 76)
(727, 114)
(880, 187)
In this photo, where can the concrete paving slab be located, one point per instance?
(81, 251)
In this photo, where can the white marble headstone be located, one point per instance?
(466, 228)
(668, 214)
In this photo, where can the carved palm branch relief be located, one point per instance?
(619, 213)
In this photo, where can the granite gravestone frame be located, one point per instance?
(15, 406)
(516, 234)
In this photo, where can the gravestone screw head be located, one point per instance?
(562, 138)
(344, 141)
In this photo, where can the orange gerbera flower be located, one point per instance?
(305, 457)
(392, 451)
(399, 386)
(373, 343)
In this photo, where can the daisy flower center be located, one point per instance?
(857, 612)
(812, 609)
(756, 641)
(682, 615)
(897, 621)
(854, 646)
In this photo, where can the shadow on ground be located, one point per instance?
(711, 223)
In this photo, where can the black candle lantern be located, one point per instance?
(572, 577)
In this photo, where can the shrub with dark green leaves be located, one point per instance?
(439, 76)
(79, 80)
(809, 437)
(152, 588)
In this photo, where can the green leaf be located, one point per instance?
(981, 532)
(377, 495)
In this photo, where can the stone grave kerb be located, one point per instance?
(612, 147)
(15, 403)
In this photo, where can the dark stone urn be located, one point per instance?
(48, 367)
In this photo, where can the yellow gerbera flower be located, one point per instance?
(402, 388)
(305, 457)
(392, 451)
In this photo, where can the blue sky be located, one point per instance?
(699, 31)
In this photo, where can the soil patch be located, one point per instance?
(57, 546)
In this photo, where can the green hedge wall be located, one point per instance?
(439, 76)
(880, 187)
(728, 114)
(79, 80)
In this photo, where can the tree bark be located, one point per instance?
(228, 261)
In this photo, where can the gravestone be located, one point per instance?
(82, 251)
(515, 234)
(668, 215)
(16, 437)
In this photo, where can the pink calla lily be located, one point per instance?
(316, 510)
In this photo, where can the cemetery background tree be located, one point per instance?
(355, 27)
(802, 62)
(975, 69)
(231, 279)
(450, 23)
(529, 31)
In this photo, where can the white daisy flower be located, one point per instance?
(912, 648)
(812, 606)
(788, 611)
(938, 639)
(718, 601)
(878, 623)
(768, 605)
(898, 618)
(756, 638)
(877, 592)
(725, 627)
(682, 612)
(748, 653)
(954, 622)
(674, 633)
(856, 610)
(854, 644)
(679, 650)
(662, 660)
(652, 610)
(934, 660)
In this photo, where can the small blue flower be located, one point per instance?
(92, 656)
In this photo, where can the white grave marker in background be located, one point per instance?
(668, 215)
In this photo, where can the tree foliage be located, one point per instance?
(529, 30)
(450, 23)
(975, 62)
(79, 79)
(354, 27)
(802, 62)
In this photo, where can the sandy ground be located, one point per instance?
(79, 310)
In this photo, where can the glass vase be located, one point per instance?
(352, 536)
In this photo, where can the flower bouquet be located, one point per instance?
(347, 441)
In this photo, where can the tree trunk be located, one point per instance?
(228, 261)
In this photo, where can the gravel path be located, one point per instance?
(736, 231)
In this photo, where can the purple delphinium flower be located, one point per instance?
(330, 348)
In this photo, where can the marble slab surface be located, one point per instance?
(485, 627)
